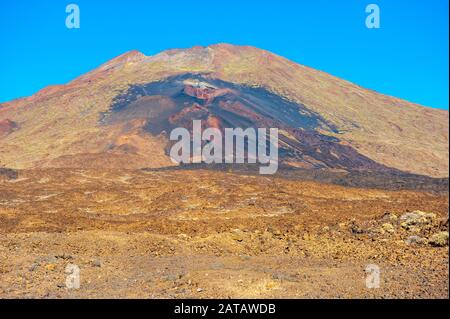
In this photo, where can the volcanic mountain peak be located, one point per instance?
(240, 85)
(115, 64)
(128, 57)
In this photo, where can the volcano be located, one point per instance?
(120, 115)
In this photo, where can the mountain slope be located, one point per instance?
(330, 123)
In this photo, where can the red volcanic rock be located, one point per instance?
(7, 126)
(203, 92)
(50, 90)
(185, 112)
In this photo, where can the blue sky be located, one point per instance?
(407, 57)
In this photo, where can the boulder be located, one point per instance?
(8, 174)
(439, 239)
(416, 219)
(415, 240)
(388, 227)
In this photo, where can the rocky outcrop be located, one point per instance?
(417, 220)
(440, 239)
(8, 174)
(7, 126)
(204, 92)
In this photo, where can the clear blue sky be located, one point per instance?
(407, 57)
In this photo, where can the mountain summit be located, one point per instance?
(119, 114)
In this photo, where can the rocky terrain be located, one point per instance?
(216, 234)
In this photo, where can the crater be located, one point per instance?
(178, 100)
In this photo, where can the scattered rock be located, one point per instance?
(387, 227)
(390, 217)
(411, 240)
(237, 235)
(46, 260)
(199, 289)
(284, 277)
(355, 229)
(414, 229)
(50, 267)
(64, 256)
(96, 263)
(415, 219)
(439, 240)
(7, 173)
(183, 236)
(170, 277)
(33, 267)
(443, 223)
(276, 232)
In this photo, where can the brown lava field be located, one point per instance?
(212, 234)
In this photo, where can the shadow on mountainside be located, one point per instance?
(359, 179)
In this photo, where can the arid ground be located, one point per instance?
(207, 234)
